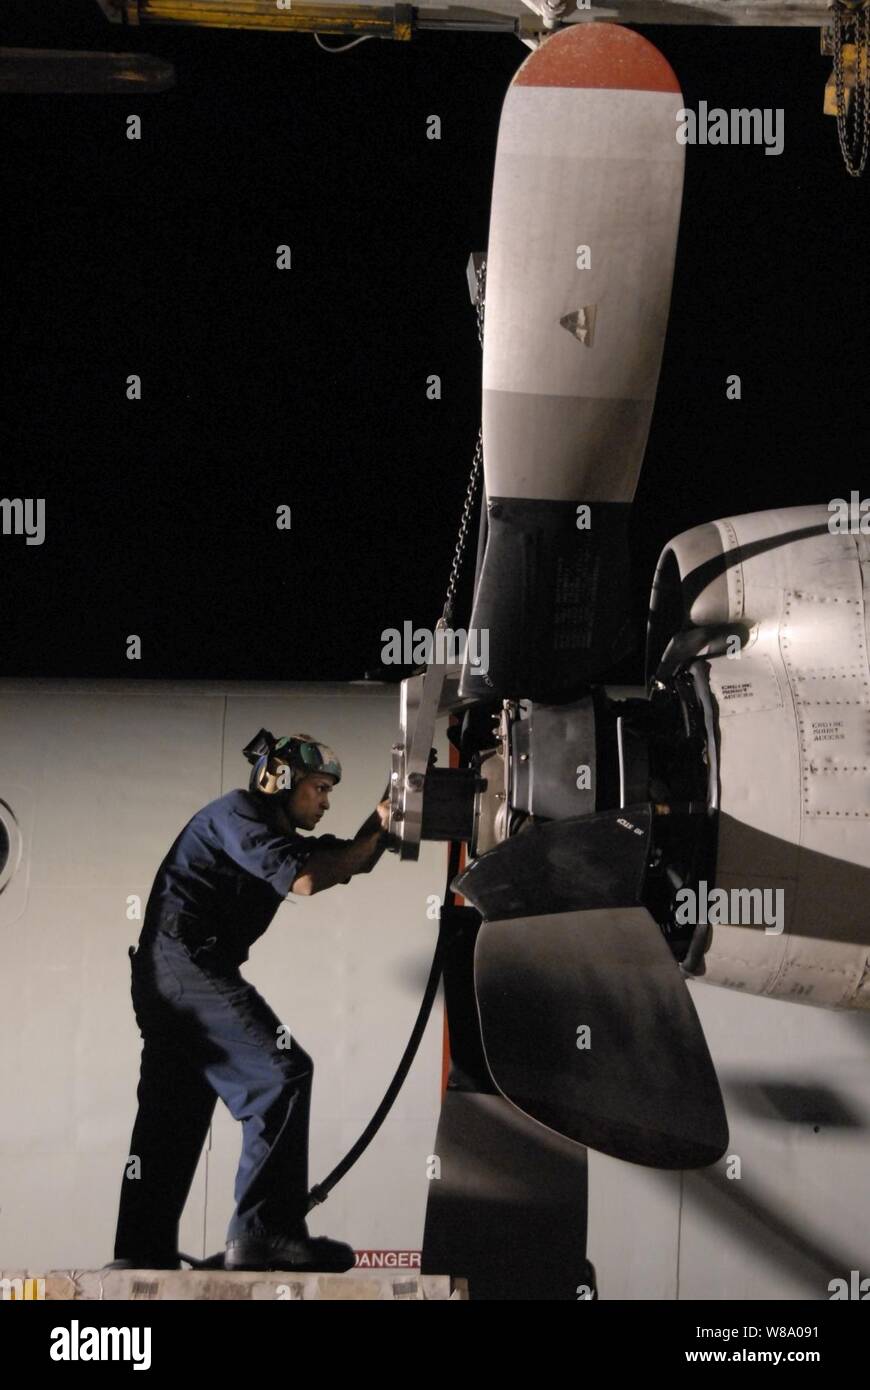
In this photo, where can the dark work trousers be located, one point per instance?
(206, 1032)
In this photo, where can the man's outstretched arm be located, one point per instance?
(337, 864)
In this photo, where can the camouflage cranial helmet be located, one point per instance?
(300, 752)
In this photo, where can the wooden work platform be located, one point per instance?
(207, 1286)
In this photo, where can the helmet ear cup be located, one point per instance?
(263, 779)
(285, 776)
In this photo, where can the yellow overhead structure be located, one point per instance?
(387, 21)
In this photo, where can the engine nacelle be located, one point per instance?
(772, 604)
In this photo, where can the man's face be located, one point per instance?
(309, 799)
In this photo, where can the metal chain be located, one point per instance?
(462, 539)
(481, 299)
(847, 20)
(474, 480)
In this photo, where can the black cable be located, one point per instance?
(320, 1191)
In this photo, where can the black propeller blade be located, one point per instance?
(552, 599)
(589, 1028)
(587, 1023)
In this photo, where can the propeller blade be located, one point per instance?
(597, 860)
(508, 1211)
(588, 1027)
(582, 238)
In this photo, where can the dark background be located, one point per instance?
(307, 387)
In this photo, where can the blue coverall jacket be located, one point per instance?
(229, 870)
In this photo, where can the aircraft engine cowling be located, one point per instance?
(770, 608)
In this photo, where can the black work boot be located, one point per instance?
(298, 1251)
(146, 1263)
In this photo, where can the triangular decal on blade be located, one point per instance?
(581, 324)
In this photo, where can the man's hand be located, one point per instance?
(377, 823)
(329, 866)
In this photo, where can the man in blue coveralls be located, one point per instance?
(206, 1032)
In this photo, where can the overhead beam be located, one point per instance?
(399, 21)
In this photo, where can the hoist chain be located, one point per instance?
(476, 467)
(854, 22)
